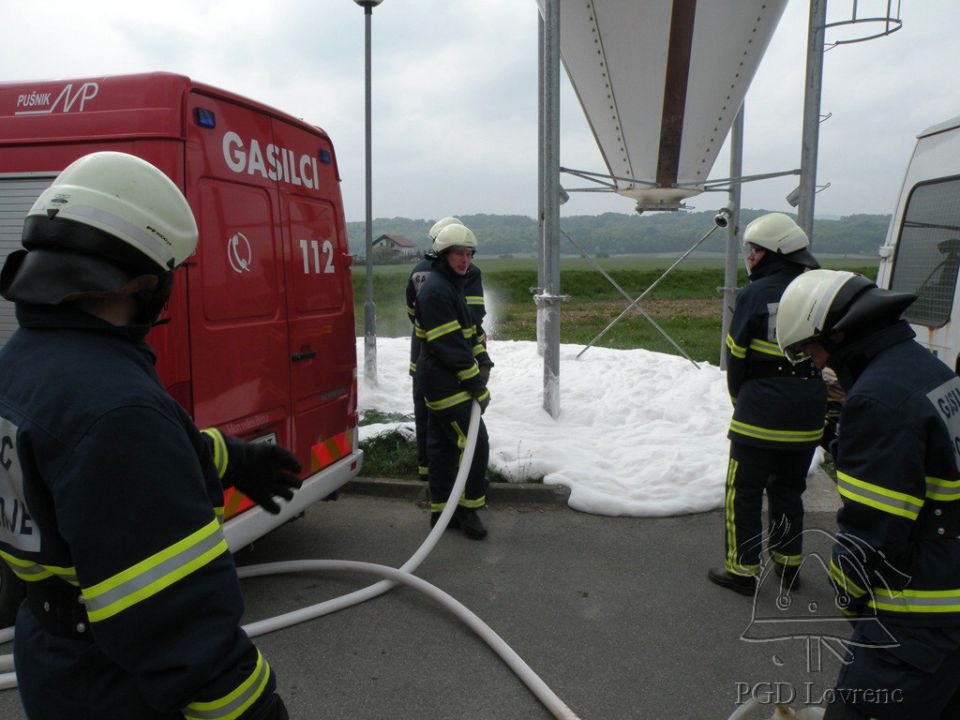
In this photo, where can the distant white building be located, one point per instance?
(394, 248)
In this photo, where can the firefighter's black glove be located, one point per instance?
(267, 471)
(485, 373)
(482, 396)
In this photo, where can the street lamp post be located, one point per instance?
(369, 309)
(811, 116)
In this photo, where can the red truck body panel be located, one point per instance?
(259, 339)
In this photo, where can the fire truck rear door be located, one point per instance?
(238, 329)
(321, 333)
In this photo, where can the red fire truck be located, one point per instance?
(259, 337)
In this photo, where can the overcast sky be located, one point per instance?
(454, 94)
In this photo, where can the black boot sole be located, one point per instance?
(744, 586)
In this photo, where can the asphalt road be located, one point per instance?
(615, 614)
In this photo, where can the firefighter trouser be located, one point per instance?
(783, 475)
(917, 679)
(421, 417)
(446, 440)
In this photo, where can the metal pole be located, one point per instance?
(811, 116)
(549, 299)
(541, 179)
(369, 309)
(733, 230)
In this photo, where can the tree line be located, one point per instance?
(618, 233)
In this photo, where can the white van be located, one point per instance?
(921, 253)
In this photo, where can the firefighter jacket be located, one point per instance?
(775, 404)
(448, 366)
(473, 294)
(107, 486)
(897, 552)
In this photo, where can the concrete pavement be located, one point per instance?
(615, 614)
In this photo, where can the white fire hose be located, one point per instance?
(393, 576)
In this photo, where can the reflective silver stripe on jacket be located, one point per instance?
(235, 703)
(159, 571)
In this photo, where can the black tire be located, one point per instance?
(11, 593)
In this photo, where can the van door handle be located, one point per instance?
(301, 356)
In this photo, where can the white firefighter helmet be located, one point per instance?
(778, 233)
(441, 224)
(108, 218)
(820, 302)
(455, 236)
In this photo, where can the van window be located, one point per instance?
(928, 251)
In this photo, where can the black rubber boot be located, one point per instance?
(743, 584)
(470, 523)
(454, 523)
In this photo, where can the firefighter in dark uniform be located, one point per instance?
(449, 373)
(133, 606)
(777, 418)
(473, 293)
(896, 558)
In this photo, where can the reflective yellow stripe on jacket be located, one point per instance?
(468, 373)
(474, 299)
(784, 436)
(916, 601)
(441, 330)
(736, 350)
(767, 348)
(32, 572)
(157, 572)
(235, 703)
(449, 402)
(879, 498)
(219, 450)
(843, 581)
(942, 490)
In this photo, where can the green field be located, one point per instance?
(687, 303)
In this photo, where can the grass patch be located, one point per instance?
(375, 417)
(494, 476)
(390, 455)
(830, 469)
